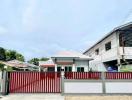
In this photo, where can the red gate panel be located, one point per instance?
(34, 82)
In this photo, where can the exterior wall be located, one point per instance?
(118, 87)
(82, 63)
(78, 63)
(104, 56)
(127, 52)
(83, 87)
(64, 60)
(102, 86)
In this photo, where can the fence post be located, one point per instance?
(103, 82)
(1, 76)
(4, 86)
(62, 80)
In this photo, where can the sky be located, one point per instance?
(41, 28)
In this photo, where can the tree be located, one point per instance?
(7, 55)
(2, 66)
(9, 68)
(34, 61)
(20, 57)
(2, 54)
(43, 59)
(12, 54)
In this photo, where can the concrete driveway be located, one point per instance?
(33, 97)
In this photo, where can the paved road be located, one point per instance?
(33, 97)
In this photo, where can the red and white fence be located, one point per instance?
(50, 82)
(97, 75)
(34, 82)
(103, 83)
(82, 75)
(118, 75)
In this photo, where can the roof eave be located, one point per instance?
(64, 57)
(114, 30)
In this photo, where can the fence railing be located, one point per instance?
(118, 75)
(34, 82)
(51, 82)
(97, 75)
(82, 75)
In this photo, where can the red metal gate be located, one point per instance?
(34, 82)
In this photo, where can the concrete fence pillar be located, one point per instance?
(55, 67)
(4, 84)
(1, 76)
(62, 79)
(73, 68)
(103, 82)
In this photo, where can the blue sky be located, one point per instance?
(39, 28)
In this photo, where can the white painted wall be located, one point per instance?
(64, 60)
(82, 63)
(127, 52)
(97, 87)
(78, 63)
(118, 87)
(82, 87)
(97, 63)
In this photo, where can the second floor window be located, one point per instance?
(97, 52)
(108, 46)
(125, 38)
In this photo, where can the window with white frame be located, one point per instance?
(68, 69)
(51, 69)
(80, 69)
(58, 68)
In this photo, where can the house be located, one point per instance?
(113, 51)
(47, 65)
(70, 61)
(21, 66)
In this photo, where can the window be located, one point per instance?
(59, 69)
(51, 69)
(68, 69)
(125, 38)
(97, 52)
(80, 69)
(108, 46)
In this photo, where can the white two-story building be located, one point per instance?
(114, 50)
